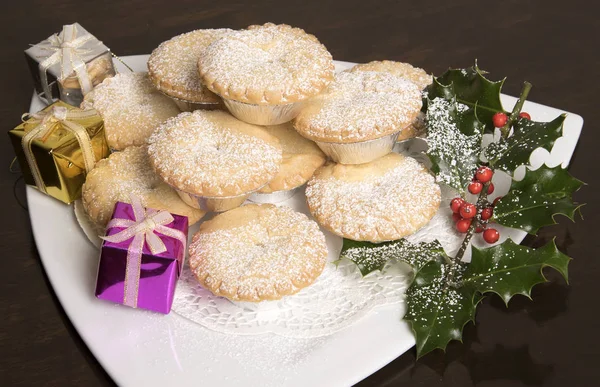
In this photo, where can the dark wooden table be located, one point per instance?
(552, 341)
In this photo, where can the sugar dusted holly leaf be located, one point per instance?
(514, 151)
(534, 201)
(373, 256)
(470, 87)
(436, 311)
(453, 153)
(508, 268)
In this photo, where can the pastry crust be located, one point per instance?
(266, 65)
(173, 65)
(123, 174)
(258, 252)
(131, 108)
(386, 199)
(213, 154)
(360, 106)
(301, 158)
(416, 75)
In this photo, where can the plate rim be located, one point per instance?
(33, 196)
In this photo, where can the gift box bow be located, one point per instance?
(143, 229)
(42, 124)
(69, 50)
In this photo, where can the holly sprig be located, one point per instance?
(460, 106)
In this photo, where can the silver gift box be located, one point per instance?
(55, 63)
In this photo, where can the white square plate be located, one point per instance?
(137, 347)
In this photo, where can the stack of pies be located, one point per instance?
(223, 116)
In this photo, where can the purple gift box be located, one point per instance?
(158, 273)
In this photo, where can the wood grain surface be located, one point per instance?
(552, 341)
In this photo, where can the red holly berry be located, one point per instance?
(455, 204)
(525, 115)
(475, 187)
(463, 225)
(491, 235)
(487, 213)
(499, 119)
(467, 210)
(456, 217)
(479, 229)
(490, 189)
(496, 200)
(484, 174)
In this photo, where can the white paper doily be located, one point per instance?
(339, 297)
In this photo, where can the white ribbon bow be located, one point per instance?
(48, 121)
(65, 48)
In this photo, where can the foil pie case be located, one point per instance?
(263, 114)
(212, 203)
(359, 152)
(274, 197)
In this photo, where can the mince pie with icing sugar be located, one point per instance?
(407, 71)
(213, 154)
(127, 173)
(301, 158)
(360, 115)
(264, 72)
(258, 252)
(173, 66)
(360, 106)
(386, 199)
(131, 108)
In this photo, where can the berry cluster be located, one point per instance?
(500, 119)
(464, 213)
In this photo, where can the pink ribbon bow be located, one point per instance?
(145, 226)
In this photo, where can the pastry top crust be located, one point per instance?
(173, 65)
(129, 172)
(416, 75)
(360, 106)
(386, 199)
(301, 158)
(213, 154)
(266, 65)
(258, 252)
(131, 108)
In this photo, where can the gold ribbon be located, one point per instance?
(143, 228)
(66, 50)
(48, 121)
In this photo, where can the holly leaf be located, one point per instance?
(436, 311)
(534, 201)
(470, 87)
(373, 256)
(454, 153)
(509, 153)
(508, 268)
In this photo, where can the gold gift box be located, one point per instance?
(59, 158)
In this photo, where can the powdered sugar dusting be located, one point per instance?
(277, 253)
(416, 75)
(203, 153)
(386, 207)
(454, 151)
(360, 106)
(173, 65)
(270, 64)
(131, 108)
(123, 174)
